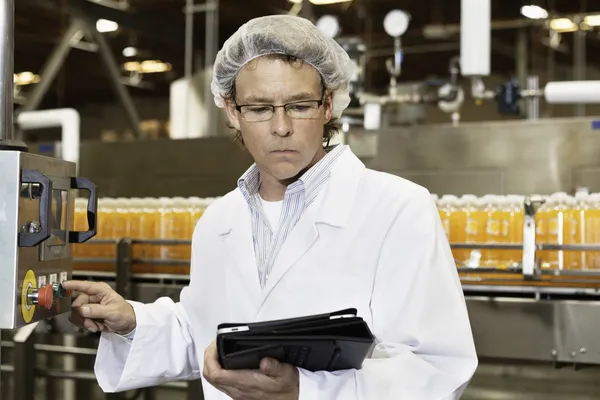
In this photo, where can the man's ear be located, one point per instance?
(328, 106)
(232, 114)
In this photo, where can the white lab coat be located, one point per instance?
(370, 241)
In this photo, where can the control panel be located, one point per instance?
(37, 197)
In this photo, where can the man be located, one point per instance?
(307, 231)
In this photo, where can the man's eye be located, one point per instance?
(299, 108)
(259, 110)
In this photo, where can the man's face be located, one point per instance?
(281, 146)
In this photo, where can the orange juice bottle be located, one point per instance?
(474, 228)
(581, 217)
(80, 250)
(447, 207)
(165, 226)
(592, 231)
(556, 228)
(492, 231)
(121, 219)
(151, 227)
(541, 230)
(181, 227)
(458, 231)
(571, 233)
(134, 225)
(515, 206)
(504, 211)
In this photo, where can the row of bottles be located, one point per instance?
(137, 218)
(562, 219)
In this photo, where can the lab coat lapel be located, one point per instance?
(332, 209)
(241, 248)
(301, 238)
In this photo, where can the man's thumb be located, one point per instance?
(269, 366)
(92, 311)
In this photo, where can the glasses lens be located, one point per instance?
(257, 113)
(303, 110)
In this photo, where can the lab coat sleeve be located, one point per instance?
(162, 350)
(424, 344)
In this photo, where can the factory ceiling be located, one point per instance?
(156, 28)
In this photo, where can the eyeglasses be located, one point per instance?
(306, 109)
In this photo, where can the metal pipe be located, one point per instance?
(579, 59)
(533, 102)
(210, 52)
(7, 43)
(52, 67)
(521, 56)
(189, 39)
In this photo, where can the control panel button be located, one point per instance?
(45, 296)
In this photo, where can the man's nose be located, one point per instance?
(281, 123)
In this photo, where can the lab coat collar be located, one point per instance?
(333, 205)
(339, 193)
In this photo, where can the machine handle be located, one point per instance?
(92, 210)
(32, 239)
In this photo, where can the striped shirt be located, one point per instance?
(298, 196)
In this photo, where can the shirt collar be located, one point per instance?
(249, 182)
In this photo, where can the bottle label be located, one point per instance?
(540, 228)
(553, 226)
(493, 227)
(472, 226)
(505, 228)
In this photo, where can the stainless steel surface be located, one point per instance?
(521, 329)
(196, 167)
(24, 372)
(48, 260)
(528, 262)
(7, 43)
(579, 61)
(522, 157)
(9, 204)
(533, 102)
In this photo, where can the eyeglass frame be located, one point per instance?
(319, 104)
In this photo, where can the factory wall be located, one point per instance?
(502, 157)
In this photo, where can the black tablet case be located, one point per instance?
(314, 343)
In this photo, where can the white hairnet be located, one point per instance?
(289, 35)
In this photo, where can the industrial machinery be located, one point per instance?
(36, 213)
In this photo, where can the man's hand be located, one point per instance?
(274, 380)
(100, 308)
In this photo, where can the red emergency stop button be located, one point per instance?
(46, 296)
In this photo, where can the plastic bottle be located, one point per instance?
(515, 205)
(474, 228)
(593, 230)
(165, 226)
(458, 230)
(447, 208)
(493, 229)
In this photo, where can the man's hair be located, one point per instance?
(330, 129)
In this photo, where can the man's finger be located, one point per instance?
(95, 311)
(89, 288)
(80, 300)
(90, 325)
(271, 367)
(212, 368)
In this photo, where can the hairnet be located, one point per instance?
(286, 35)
